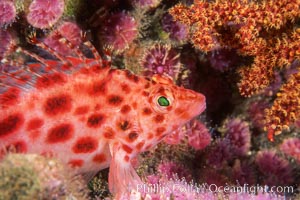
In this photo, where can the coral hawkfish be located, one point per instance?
(88, 114)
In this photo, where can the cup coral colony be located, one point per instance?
(149, 99)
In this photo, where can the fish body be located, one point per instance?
(91, 116)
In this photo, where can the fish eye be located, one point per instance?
(163, 101)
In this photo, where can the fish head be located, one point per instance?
(168, 107)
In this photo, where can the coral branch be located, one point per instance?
(264, 30)
(286, 107)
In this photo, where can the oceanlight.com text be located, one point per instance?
(213, 188)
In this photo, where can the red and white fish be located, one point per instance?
(89, 115)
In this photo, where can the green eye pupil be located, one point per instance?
(163, 101)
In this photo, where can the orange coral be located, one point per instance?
(207, 18)
(263, 29)
(286, 107)
(275, 52)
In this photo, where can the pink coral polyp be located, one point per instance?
(6, 42)
(161, 59)
(291, 147)
(7, 12)
(238, 133)
(45, 13)
(199, 138)
(118, 31)
(276, 170)
(67, 30)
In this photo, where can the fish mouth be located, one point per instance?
(201, 102)
(196, 107)
(202, 108)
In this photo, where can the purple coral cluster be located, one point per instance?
(199, 136)
(223, 59)
(274, 169)
(176, 30)
(7, 12)
(195, 132)
(256, 113)
(238, 135)
(236, 143)
(45, 13)
(244, 172)
(171, 169)
(175, 137)
(67, 30)
(118, 31)
(6, 42)
(291, 147)
(161, 59)
(219, 154)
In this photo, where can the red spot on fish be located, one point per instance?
(140, 145)
(10, 97)
(150, 136)
(123, 125)
(97, 107)
(98, 88)
(134, 105)
(126, 158)
(60, 133)
(161, 90)
(130, 76)
(49, 80)
(147, 85)
(146, 111)
(99, 158)
(125, 88)
(158, 119)
(132, 136)
(109, 133)
(17, 147)
(127, 148)
(57, 105)
(160, 131)
(76, 163)
(95, 120)
(114, 100)
(125, 109)
(81, 110)
(85, 145)
(11, 124)
(146, 94)
(34, 123)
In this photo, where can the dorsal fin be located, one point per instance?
(66, 61)
(9, 97)
(16, 76)
(163, 79)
